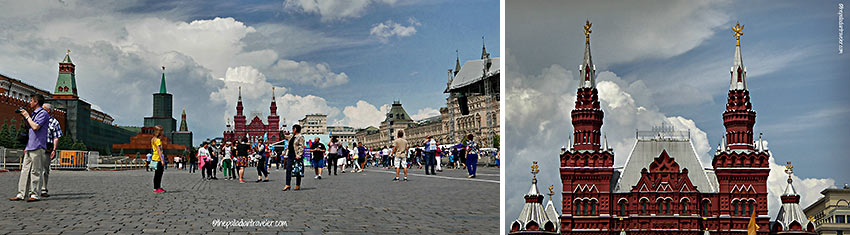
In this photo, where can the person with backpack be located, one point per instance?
(430, 149)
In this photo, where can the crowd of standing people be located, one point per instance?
(232, 159)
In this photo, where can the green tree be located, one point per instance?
(79, 145)
(15, 134)
(66, 143)
(496, 141)
(4, 140)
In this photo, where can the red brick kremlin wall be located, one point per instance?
(9, 104)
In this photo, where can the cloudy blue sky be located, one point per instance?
(668, 61)
(347, 59)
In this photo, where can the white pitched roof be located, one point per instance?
(473, 71)
(682, 151)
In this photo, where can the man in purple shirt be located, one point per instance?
(28, 184)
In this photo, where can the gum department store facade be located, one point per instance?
(477, 82)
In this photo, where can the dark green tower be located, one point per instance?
(162, 110)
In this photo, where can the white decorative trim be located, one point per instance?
(664, 186)
(585, 188)
(743, 188)
(685, 186)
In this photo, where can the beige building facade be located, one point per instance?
(314, 124)
(831, 213)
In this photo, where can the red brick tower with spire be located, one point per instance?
(239, 119)
(274, 122)
(740, 163)
(586, 168)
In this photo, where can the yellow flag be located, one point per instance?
(753, 227)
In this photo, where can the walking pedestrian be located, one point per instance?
(242, 157)
(362, 156)
(318, 157)
(438, 158)
(204, 161)
(226, 161)
(157, 158)
(472, 155)
(262, 171)
(333, 155)
(193, 163)
(214, 155)
(343, 157)
(31, 167)
(400, 153)
(385, 157)
(430, 149)
(295, 164)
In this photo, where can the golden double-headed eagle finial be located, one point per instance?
(550, 189)
(737, 29)
(587, 31)
(789, 169)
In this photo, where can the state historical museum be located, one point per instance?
(663, 187)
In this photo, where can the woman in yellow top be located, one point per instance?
(156, 159)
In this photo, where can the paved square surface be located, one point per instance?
(106, 202)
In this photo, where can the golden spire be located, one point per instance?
(534, 171)
(789, 169)
(551, 192)
(587, 31)
(737, 29)
(69, 51)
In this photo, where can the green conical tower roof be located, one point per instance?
(161, 83)
(66, 83)
(67, 59)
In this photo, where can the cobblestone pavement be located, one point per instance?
(105, 202)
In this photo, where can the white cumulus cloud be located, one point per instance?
(808, 188)
(385, 30)
(316, 74)
(425, 113)
(363, 114)
(295, 107)
(332, 10)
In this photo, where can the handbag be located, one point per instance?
(154, 165)
(298, 168)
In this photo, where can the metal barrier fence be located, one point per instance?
(12, 159)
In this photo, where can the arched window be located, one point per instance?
(593, 207)
(735, 207)
(578, 207)
(622, 207)
(584, 207)
(660, 205)
(643, 206)
(684, 206)
(706, 208)
(667, 205)
(752, 205)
